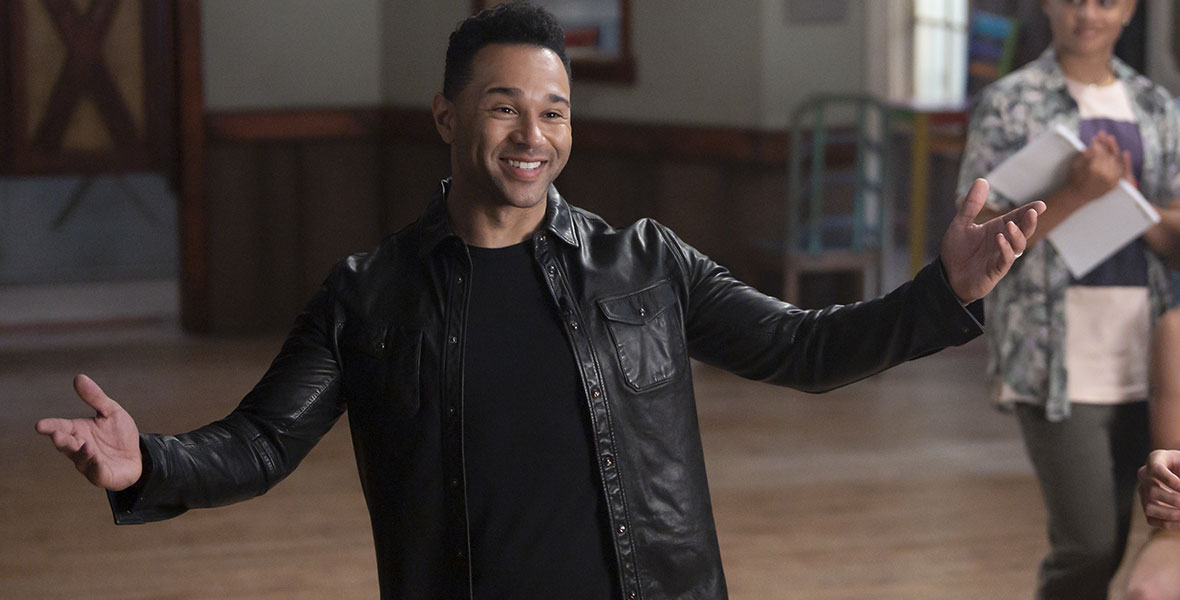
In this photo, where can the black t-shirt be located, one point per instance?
(537, 517)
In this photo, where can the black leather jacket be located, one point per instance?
(383, 338)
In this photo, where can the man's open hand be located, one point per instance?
(105, 447)
(976, 257)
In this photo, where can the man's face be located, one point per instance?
(1087, 27)
(509, 129)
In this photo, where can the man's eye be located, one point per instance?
(504, 110)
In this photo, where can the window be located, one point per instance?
(919, 56)
(940, 51)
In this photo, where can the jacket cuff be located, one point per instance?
(967, 318)
(133, 506)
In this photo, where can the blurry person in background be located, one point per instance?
(1070, 355)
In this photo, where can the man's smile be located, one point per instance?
(524, 169)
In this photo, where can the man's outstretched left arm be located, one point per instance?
(737, 328)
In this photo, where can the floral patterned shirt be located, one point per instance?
(1026, 311)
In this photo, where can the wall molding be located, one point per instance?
(278, 125)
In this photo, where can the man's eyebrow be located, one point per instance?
(517, 92)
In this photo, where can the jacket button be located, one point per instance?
(608, 462)
(459, 280)
(451, 411)
(622, 529)
(595, 392)
(541, 237)
(574, 325)
(454, 339)
(631, 596)
(454, 483)
(552, 270)
(642, 311)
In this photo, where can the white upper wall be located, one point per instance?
(799, 60)
(291, 53)
(414, 48)
(702, 62)
(697, 62)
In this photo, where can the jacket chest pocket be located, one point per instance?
(647, 333)
(381, 371)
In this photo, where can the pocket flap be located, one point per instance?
(639, 307)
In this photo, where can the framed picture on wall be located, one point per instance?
(597, 36)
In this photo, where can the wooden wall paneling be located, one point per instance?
(14, 63)
(690, 201)
(234, 192)
(280, 236)
(299, 124)
(758, 226)
(195, 284)
(346, 173)
(6, 91)
(160, 73)
(617, 188)
(364, 173)
(410, 174)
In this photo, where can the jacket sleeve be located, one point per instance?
(255, 446)
(733, 326)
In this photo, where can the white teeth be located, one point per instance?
(528, 166)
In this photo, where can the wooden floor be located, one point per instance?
(906, 486)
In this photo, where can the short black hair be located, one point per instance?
(511, 23)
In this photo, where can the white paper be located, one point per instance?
(1092, 233)
(1101, 227)
(1038, 168)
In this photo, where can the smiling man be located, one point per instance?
(516, 371)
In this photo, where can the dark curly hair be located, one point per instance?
(511, 23)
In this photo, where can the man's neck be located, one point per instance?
(492, 226)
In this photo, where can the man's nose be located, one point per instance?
(528, 131)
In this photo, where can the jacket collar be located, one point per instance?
(435, 228)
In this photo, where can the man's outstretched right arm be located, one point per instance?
(153, 477)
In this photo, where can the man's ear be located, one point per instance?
(444, 118)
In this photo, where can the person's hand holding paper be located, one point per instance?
(1094, 207)
(1097, 169)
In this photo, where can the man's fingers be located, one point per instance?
(973, 203)
(50, 426)
(93, 395)
(1016, 238)
(1007, 253)
(1024, 220)
(66, 443)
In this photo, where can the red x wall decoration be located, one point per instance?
(87, 86)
